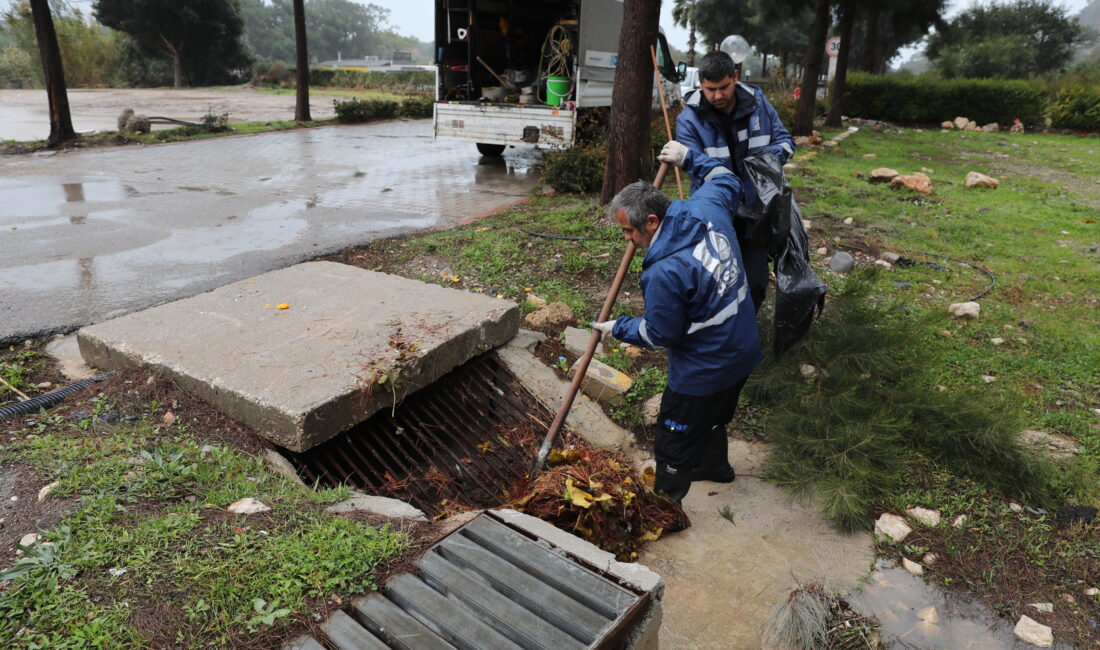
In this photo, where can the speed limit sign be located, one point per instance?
(832, 46)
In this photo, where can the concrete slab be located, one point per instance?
(724, 578)
(602, 382)
(349, 343)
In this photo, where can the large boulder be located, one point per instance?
(556, 314)
(918, 182)
(977, 179)
(882, 175)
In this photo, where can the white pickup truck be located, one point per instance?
(516, 72)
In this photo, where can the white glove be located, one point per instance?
(673, 153)
(603, 328)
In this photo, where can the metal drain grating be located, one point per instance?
(444, 442)
(489, 585)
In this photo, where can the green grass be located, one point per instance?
(150, 533)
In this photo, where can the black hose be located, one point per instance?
(47, 400)
(992, 278)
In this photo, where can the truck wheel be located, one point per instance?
(490, 149)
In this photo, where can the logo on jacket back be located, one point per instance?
(715, 253)
(755, 123)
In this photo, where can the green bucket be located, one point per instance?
(557, 89)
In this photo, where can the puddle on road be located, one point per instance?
(901, 600)
(23, 199)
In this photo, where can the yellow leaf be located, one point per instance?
(652, 535)
(484, 447)
(556, 458)
(603, 497)
(282, 305)
(595, 485)
(454, 278)
(576, 495)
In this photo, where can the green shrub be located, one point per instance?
(1077, 106)
(404, 81)
(926, 100)
(17, 69)
(352, 111)
(416, 107)
(574, 171)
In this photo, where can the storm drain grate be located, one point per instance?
(489, 585)
(450, 441)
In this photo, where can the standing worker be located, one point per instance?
(697, 307)
(722, 111)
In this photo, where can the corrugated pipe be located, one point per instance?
(47, 400)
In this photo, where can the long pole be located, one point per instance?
(664, 111)
(605, 311)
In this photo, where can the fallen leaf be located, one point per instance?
(169, 418)
(282, 305)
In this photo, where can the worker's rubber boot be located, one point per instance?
(673, 482)
(716, 465)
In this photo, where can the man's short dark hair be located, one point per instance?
(639, 200)
(716, 66)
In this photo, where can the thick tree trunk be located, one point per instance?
(870, 43)
(631, 98)
(61, 121)
(301, 104)
(811, 68)
(847, 20)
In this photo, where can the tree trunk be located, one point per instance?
(764, 66)
(691, 42)
(811, 69)
(631, 97)
(61, 121)
(301, 104)
(870, 43)
(847, 20)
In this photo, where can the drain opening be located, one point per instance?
(468, 440)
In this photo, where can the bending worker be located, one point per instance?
(697, 306)
(725, 119)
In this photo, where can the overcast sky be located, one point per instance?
(415, 18)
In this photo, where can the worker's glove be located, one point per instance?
(603, 328)
(673, 153)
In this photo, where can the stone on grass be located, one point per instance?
(912, 567)
(968, 310)
(992, 127)
(535, 300)
(576, 340)
(45, 491)
(807, 371)
(1033, 632)
(919, 182)
(30, 539)
(848, 221)
(946, 124)
(996, 340)
(842, 262)
(960, 521)
(1092, 591)
(890, 257)
(989, 379)
(248, 506)
(882, 175)
(602, 382)
(977, 179)
(925, 516)
(929, 559)
(822, 251)
(892, 526)
(1045, 608)
(961, 122)
(555, 314)
(385, 506)
(870, 155)
(1015, 507)
(651, 409)
(1056, 446)
(884, 264)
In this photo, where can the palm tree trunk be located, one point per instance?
(61, 121)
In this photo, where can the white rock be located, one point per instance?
(278, 464)
(929, 614)
(969, 310)
(1037, 634)
(989, 379)
(384, 506)
(1015, 507)
(996, 340)
(116, 571)
(925, 516)
(892, 526)
(822, 251)
(1092, 591)
(884, 264)
(960, 521)
(44, 384)
(848, 221)
(45, 491)
(807, 371)
(30, 539)
(911, 566)
(807, 224)
(890, 257)
(206, 449)
(248, 506)
(1045, 608)
(651, 408)
(929, 559)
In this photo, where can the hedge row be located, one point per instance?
(351, 111)
(925, 100)
(404, 80)
(1077, 106)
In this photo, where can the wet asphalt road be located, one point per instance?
(87, 236)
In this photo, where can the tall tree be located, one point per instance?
(61, 121)
(631, 97)
(811, 69)
(683, 14)
(848, 10)
(202, 37)
(301, 103)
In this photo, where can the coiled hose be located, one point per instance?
(53, 398)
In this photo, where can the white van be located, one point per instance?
(690, 81)
(518, 71)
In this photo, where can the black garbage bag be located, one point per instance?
(775, 223)
(767, 222)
